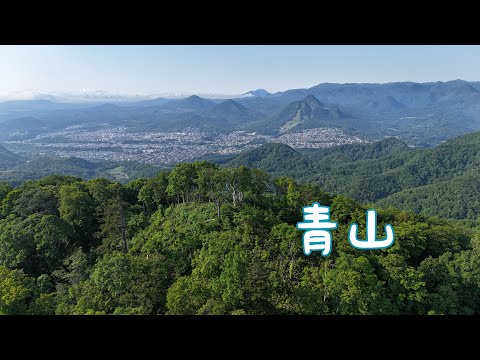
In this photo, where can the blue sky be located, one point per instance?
(226, 69)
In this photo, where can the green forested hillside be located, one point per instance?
(438, 181)
(307, 113)
(355, 152)
(207, 240)
(277, 159)
(20, 170)
(8, 159)
(307, 164)
(457, 198)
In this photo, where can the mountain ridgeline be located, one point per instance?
(308, 113)
(440, 181)
(8, 159)
(232, 112)
(420, 114)
(191, 104)
(15, 169)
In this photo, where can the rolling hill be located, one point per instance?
(457, 198)
(16, 170)
(440, 181)
(9, 159)
(22, 128)
(230, 113)
(266, 157)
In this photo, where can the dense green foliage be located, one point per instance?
(207, 240)
(457, 198)
(441, 181)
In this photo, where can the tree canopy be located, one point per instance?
(201, 239)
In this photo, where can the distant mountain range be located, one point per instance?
(96, 96)
(421, 114)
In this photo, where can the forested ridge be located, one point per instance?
(15, 169)
(200, 239)
(440, 181)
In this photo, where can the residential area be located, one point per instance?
(159, 148)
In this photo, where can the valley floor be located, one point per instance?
(160, 148)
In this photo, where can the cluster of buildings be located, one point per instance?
(123, 144)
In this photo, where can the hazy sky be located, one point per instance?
(226, 69)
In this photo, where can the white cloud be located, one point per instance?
(97, 95)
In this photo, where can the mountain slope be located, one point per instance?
(307, 114)
(386, 104)
(230, 112)
(267, 157)
(9, 159)
(422, 114)
(255, 93)
(281, 159)
(412, 95)
(371, 180)
(16, 172)
(22, 128)
(457, 198)
(439, 181)
(192, 103)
